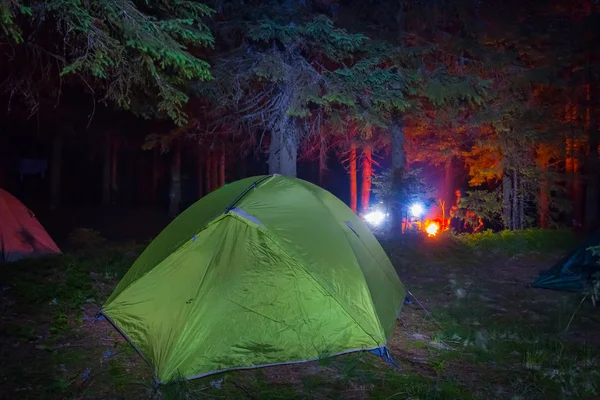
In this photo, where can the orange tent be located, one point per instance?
(21, 234)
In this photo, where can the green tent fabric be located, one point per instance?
(266, 270)
(575, 272)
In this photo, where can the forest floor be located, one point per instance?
(488, 335)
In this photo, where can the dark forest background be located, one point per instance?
(141, 108)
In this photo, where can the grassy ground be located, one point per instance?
(485, 334)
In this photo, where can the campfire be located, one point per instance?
(432, 228)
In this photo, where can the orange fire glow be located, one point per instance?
(432, 229)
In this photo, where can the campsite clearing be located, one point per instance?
(490, 335)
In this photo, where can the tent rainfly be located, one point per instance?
(264, 271)
(21, 234)
(575, 272)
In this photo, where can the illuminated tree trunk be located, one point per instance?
(353, 185)
(544, 203)
(449, 182)
(506, 192)
(592, 201)
(222, 168)
(367, 174)
(283, 150)
(289, 152)
(55, 169)
(175, 192)
(274, 153)
(106, 170)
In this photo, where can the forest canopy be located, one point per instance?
(502, 97)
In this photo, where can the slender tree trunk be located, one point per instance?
(515, 200)
(175, 193)
(200, 172)
(208, 173)
(521, 205)
(506, 191)
(449, 181)
(55, 169)
(398, 166)
(569, 167)
(214, 172)
(544, 204)
(275, 152)
(367, 174)
(289, 150)
(578, 193)
(592, 202)
(322, 159)
(114, 176)
(106, 169)
(353, 184)
(222, 169)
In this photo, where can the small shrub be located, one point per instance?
(519, 242)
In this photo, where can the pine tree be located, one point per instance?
(138, 56)
(276, 77)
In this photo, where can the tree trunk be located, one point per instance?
(289, 151)
(367, 174)
(506, 191)
(544, 204)
(515, 200)
(449, 182)
(114, 176)
(175, 193)
(353, 185)
(398, 155)
(200, 172)
(214, 172)
(398, 165)
(275, 152)
(578, 193)
(592, 201)
(207, 172)
(55, 169)
(106, 169)
(521, 205)
(222, 169)
(322, 159)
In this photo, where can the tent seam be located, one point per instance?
(182, 242)
(360, 269)
(285, 250)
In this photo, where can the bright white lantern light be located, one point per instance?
(375, 217)
(417, 210)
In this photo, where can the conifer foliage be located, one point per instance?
(134, 54)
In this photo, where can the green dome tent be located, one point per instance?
(264, 271)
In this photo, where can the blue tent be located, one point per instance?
(575, 272)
